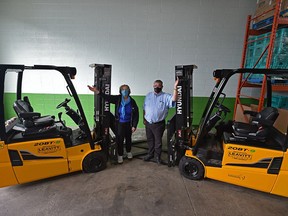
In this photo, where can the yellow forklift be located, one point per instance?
(34, 147)
(252, 155)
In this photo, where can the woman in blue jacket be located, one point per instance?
(126, 116)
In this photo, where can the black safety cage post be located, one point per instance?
(179, 126)
(286, 142)
(80, 109)
(4, 68)
(19, 85)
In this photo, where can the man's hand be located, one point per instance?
(133, 129)
(175, 93)
(93, 89)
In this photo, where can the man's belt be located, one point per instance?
(160, 122)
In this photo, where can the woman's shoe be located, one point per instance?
(129, 155)
(120, 159)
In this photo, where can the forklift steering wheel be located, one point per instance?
(216, 117)
(64, 103)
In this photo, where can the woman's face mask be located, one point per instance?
(124, 92)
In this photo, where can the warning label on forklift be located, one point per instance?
(49, 149)
(239, 155)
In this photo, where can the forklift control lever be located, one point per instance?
(60, 119)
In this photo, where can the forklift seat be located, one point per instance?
(29, 118)
(260, 124)
(21, 106)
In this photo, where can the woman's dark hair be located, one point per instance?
(124, 85)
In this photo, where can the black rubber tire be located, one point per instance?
(191, 168)
(94, 162)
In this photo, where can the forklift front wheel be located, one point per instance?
(191, 168)
(94, 162)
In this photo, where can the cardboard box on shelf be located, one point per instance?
(281, 122)
(240, 117)
(262, 6)
(266, 5)
(254, 107)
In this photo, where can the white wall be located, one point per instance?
(142, 39)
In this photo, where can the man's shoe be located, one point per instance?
(147, 157)
(120, 159)
(129, 155)
(158, 160)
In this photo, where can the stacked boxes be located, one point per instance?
(267, 18)
(279, 101)
(280, 53)
(256, 46)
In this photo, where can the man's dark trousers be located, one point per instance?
(154, 133)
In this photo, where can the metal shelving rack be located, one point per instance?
(243, 82)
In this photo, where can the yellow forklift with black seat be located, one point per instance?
(252, 155)
(34, 147)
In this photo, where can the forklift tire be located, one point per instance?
(191, 168)
(94, 162)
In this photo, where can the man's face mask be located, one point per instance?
(157, 89)
(124, 92)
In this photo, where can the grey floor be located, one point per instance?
(136, 188)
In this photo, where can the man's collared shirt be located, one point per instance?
(156, 106)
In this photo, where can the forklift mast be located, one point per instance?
(179, 127)
(104, 120)
(102, 80)
(185, 92)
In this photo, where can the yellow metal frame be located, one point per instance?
(241, 165)
(41, 159)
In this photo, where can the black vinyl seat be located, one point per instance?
(29, 118)
(258, 129)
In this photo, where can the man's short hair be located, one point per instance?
(158, 81)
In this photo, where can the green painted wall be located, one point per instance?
(46, 105)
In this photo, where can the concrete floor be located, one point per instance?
(136, 188)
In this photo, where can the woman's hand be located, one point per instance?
(93, 89)
(133, 129)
